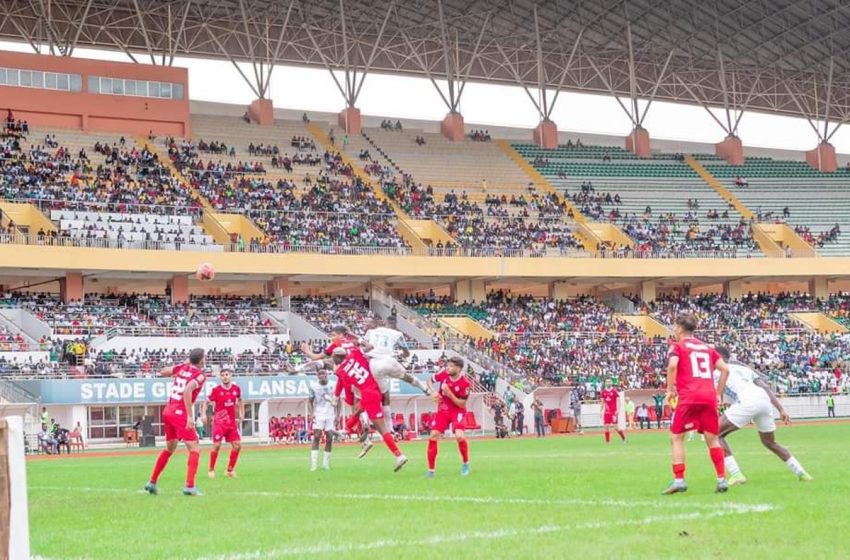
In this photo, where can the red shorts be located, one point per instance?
(225, 432)
(174, 422)
(609, 418)
(371, 404)
(441, 421)
(700, 417)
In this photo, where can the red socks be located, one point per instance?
(432, 454)
(160, 464)
(213, 459)
(717, 458)
(607, 436)
(463, 447)
(679, 471)
(234, 456)
(388, 439)
(192, 468)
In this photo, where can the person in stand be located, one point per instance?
(539, 423)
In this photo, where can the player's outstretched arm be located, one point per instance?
(187, 402)
(167, 372)
(783, 414)
(204, 406)
(723, 368)
(307, 351)
(672, 364)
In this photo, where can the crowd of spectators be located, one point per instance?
(99, 313)
(552, 342)
(818, 239)
(332, 208)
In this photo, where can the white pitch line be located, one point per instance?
(664, 503)
(475, 535)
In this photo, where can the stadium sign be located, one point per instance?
(155, 390)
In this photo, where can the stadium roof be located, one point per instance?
(782, 56)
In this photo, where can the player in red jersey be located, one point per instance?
(227, 399)
(690, 376)
(188, 380)
(353, 372)
(610, 402)
(451, 411)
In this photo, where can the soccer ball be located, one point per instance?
(205, 272)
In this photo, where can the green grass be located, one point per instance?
(552, 498)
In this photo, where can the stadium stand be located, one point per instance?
(644, 196)
(816, 204)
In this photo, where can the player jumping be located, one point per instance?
(187, 381)
(353, 372)
(610, 402)
(451, 411)
(753, 401)
(380, 344)
(226, 397)
(324, 411)
(690, 375)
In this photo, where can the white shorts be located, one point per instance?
(324, 423)
(384, 368)
(758, 411)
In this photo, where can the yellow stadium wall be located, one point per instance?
(74, 258)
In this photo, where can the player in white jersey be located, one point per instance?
(752, 401)
(321, 406)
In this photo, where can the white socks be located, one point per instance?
(314, 459)
(795, 466)
(732, 468)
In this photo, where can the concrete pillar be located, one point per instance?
(823, 157)
(819, 288)
(559, 290)
(261, 112)
(731, 149)
(648, 291)
(638, 142)
(472, 291)
(733, 289)
(546, 135)
(278, 287)
(453, 128)
(71, 287)
(349, 120)
(179, 289)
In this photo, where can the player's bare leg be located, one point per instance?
(314, 450)
(733, 471)
(678, 484)
(365, 440)
(768, 439)
(326, 458)
(400, 459)
(235, 449)
(715, 451)
(159, 466)
(213, 458)
(194, 449)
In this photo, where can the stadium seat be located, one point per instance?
(469, 422)
(76, 441)
(412, 425)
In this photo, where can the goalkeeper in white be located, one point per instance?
(752, 401)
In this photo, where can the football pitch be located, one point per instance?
(557, 497)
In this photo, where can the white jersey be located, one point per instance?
(740, 386)
(384, 340)
(323, 397)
